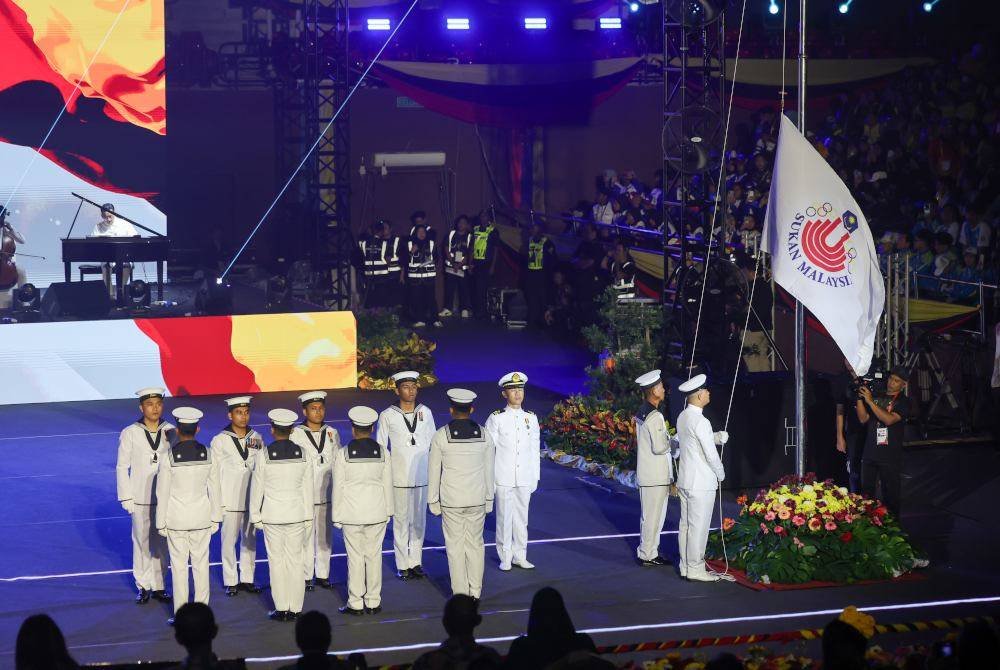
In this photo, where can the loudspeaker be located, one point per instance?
(83, 300)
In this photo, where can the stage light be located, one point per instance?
(535, 23)
(214, 297)
(26, 304)
(929, 6)
(773, 8)
(844, 7)
(457, 24)
(378, 24)
(633, 7)
(137, 294)
(610, 23)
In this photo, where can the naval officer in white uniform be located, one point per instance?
(654, 468)
(407, 429)
(517, 440)
(460, 489)
(362, 505)
(319, 442)
(189, 507)
(234, 451)
(281, 502)
(701, 472)
(141, 445)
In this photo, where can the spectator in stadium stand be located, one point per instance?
(313, 638)
(41, 646)
(736, 201)
(551, 636)
(603, 211)
(949, 221)
(975, 232)
(945, 258)
(968, 272)
(460, 650)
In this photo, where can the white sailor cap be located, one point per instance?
(187, 416)
(283, 418)
(361, 416)
(239, 401)
(461, 396)
(651, 378)
(696, 383)
(405, 376)
(151, 392)
(513, 380)
(312, 396)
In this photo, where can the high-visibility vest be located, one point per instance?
(421, 264)
(482, 240)
(394, 263)
(458, 248)
(373, 252)
(536, 254)
(624, 285)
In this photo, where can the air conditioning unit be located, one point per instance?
(426, 159)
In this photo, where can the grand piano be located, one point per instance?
(115, 249)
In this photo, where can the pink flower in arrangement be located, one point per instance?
(763, 527)
(877, 521)
(769, 516)
(798, 543)
(815, 524)
(779, 530)
(849, 518)
(785, 514)
(798, 520)
(830, 525)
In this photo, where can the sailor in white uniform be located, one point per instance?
(654, 468)
(407, 429)
(189, 508)
(319, 443)
(235, 451)
(362, 505)
(140, 447)
(281, 502)
(460, 489)
(518, 467)
(701, 472)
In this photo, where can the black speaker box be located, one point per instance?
(81, 300)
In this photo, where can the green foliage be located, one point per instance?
(385, 347)
(380, 328)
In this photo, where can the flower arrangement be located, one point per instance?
(591, 428)
(801, 529)
(385, 348)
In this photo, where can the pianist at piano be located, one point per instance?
(110, 225)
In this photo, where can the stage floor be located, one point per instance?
(66, 548)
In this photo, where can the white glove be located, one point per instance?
(162, 531)
(675, 446)
(721, 437)
(489, 506)
(256, 524)
(435, 508)
(338, 525)
(215, 528)
(128, 506)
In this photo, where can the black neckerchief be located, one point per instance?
(244, 451)
(153, 444)
(322, 437)
(413, 428)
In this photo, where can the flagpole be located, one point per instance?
(800, 312)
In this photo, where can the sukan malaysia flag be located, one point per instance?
(821, 249)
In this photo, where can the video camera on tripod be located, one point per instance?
(876, 381)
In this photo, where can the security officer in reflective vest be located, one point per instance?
(518, 463)
(281, 501)
(541, 258)
(654, 468)
(457, 259)
(622, 272)
(234, 451)
(460, 490)
(376, 268)
(362, 505)
(394, 250)
(319, 443)
(190, 506)
(141, 445)
(484, 249)
(421, 276)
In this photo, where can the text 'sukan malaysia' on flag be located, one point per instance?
(821, 249)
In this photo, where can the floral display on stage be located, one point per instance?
(385, 347)
(802, 530)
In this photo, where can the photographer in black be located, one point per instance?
(882, 459)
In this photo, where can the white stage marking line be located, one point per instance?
(386, 552)
(667, 624)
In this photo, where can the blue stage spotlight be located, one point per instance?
(845, 7)
(535, 24)
(929, 6)
(457, 23)
(610, 23)
(633, 7)
(378, 24)
(773, 8)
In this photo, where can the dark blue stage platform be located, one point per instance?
(66, 549)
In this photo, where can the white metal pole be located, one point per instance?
(800, 312)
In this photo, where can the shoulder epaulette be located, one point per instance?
(496, 412)
(529, 412)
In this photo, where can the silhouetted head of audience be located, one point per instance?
(725, 662)
(978, 646)
(843, 647)
(41, 646)
(312, 633)
(461, 616)
(549, 619)
(194, 628)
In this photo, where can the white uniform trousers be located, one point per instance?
(512, 523)
(692, 536)
(409, 523)
(237, 529)
(653, 501)
(149, 549)
(284, 544)
(364, 564)
(318, 543)
(189, 545)
(463, 543)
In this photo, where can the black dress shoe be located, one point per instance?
(659, 560)
(292, 616)
(404, 574)
(249, 588)
(170, 621)
(309, 585)
(142, 598)
(277, 615)
(418, 572)
(350, 610)
(373, 610)
(323, 583)
(232, 591)
(162, 596)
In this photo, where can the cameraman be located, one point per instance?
(850, 438)
(882, 459)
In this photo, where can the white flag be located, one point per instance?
(821, 249)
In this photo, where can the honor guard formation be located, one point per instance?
(300, 484)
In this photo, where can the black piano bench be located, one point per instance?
(90, 270)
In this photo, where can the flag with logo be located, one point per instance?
(822, 251)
